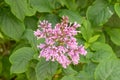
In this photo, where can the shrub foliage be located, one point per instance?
(100, 34)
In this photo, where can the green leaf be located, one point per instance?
(62, 2)
(117, 8)
(87, 72)
(41, 40)
(114, 35)
(45, 69)
(21, 77)
(101, 37)
(11, 26)
(108, 70)
(84, 76)
(89, 54)
(31, 75)
(94, 38)
(69, 78)
(20, 59)
(51, 18)
(82, 3)
(69, 71)
(20, 8)
(83, 59)
(114, 21)
(29, 35)
(99, 13)
(42, 5)
(86, 30)
(31, 22)
(69, 3)
(73, 16)
(102, 52)
(115, 48)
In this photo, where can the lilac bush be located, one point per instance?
(84, 45)
(60, 44)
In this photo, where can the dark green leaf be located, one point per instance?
(29, 35)
(51, 18)
(20, 59)
(69, 71)
(117, 8)
(115, 48)
(31, 23)
(84, 76)
(114, 35)
(73, 16)
(69, 3)
(108, 70)
(42, 5)
(82, 3)
(20, 44)
(45, 69)
(101, 37)
(31, 75)
(69, 78)
(89, 54)
(11, 26)
(86, 30)
(20, 8)
(114, 21)
(102, 52)
(99, 13)
(87, 72)
(21, 77)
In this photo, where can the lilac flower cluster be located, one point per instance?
(60, 44)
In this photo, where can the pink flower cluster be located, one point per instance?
(60, 44)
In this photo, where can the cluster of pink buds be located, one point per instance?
(60, 44)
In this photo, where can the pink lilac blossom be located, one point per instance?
(60, 44)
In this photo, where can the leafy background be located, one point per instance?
(100, 33)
